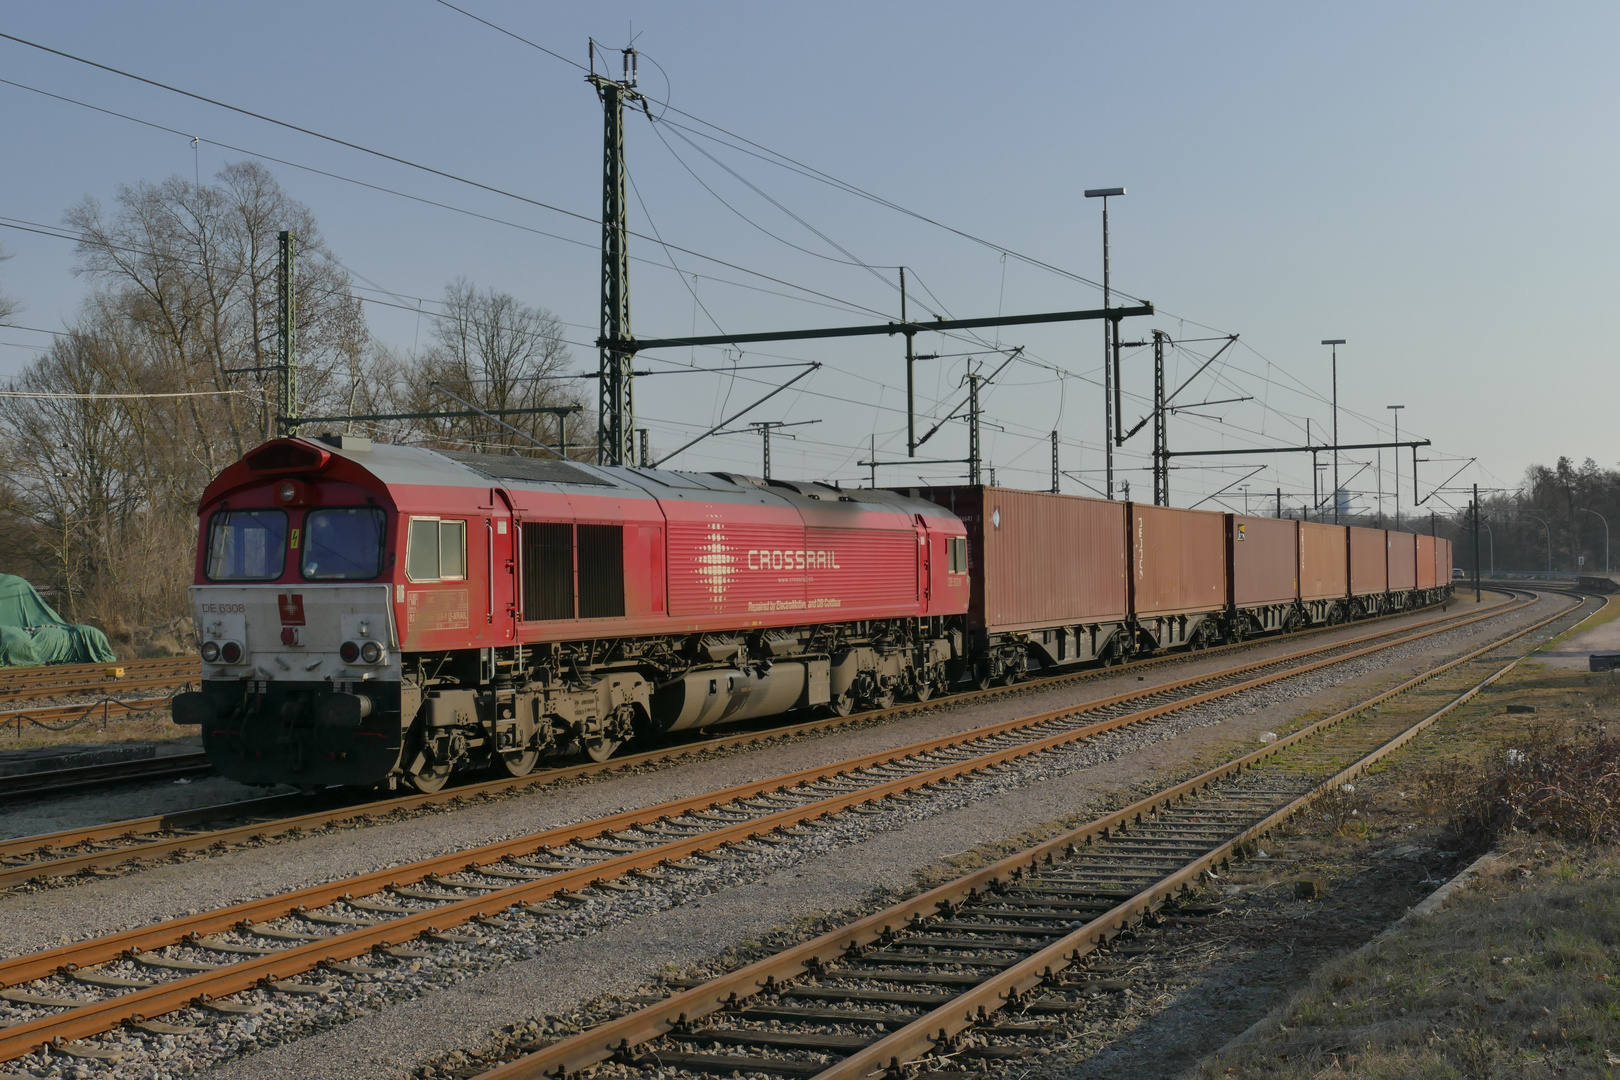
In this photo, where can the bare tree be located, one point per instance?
(98, 494)
(195, 267)
(498, 353)
(8, 306)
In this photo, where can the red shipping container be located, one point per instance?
(1265, 560)
(1402, 561)
(1037, 559)
(1427, 561)
(1443, 564)
(1369, 562)
(1323, 561)
(1178, 560)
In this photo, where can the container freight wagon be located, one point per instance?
(1047, 574)
(1403, 574)
(1178, 574)
(1264, 562)
(1427, 563)
(1369, 570)
(1324, 571)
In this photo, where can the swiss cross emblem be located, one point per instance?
(292, 608)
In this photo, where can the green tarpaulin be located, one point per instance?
(31, 633)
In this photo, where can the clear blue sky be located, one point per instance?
(1434, 183)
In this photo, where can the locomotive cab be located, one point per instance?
(295, 625)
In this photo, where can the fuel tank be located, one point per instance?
(731, 695)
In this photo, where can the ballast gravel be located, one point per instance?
(414, 1009)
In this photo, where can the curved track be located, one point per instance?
(283, 941)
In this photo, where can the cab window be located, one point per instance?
(247, 545)
(436, 550)
(343, 544)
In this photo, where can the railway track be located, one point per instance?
(101, 847)
(289, 943)
(82, 778)
(954, 976)
(26, 684)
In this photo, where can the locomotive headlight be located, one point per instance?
(230, 652)
(286, 491)
(371, 652)
(210, 651)
(349, 652)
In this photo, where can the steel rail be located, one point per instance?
(19, 684)
(164, 997)
(193, 841)
(51, 782)
(63, 689)
(614, 1037)
(64, 672)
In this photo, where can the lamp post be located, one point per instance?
(1600, 517)
(1335, 343)
(1110, 350)
(1397, 409)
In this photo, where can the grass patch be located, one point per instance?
(1518, 977)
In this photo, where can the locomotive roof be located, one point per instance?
(395, 464)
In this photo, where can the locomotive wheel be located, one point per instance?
(842, 704)
(515, 763)
(429, 779)
(883, 699)
(923, 690)
(601, 749)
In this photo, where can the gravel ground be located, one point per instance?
(546, 966)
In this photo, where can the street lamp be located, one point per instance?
(1335, 343)
(1110, 349)
(1600, 517)
(1397, 409)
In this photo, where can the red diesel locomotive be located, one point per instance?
(371, 614)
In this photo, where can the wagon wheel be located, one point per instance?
(982, 679)
(841, 704)
(883, 699)
(923, 689)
